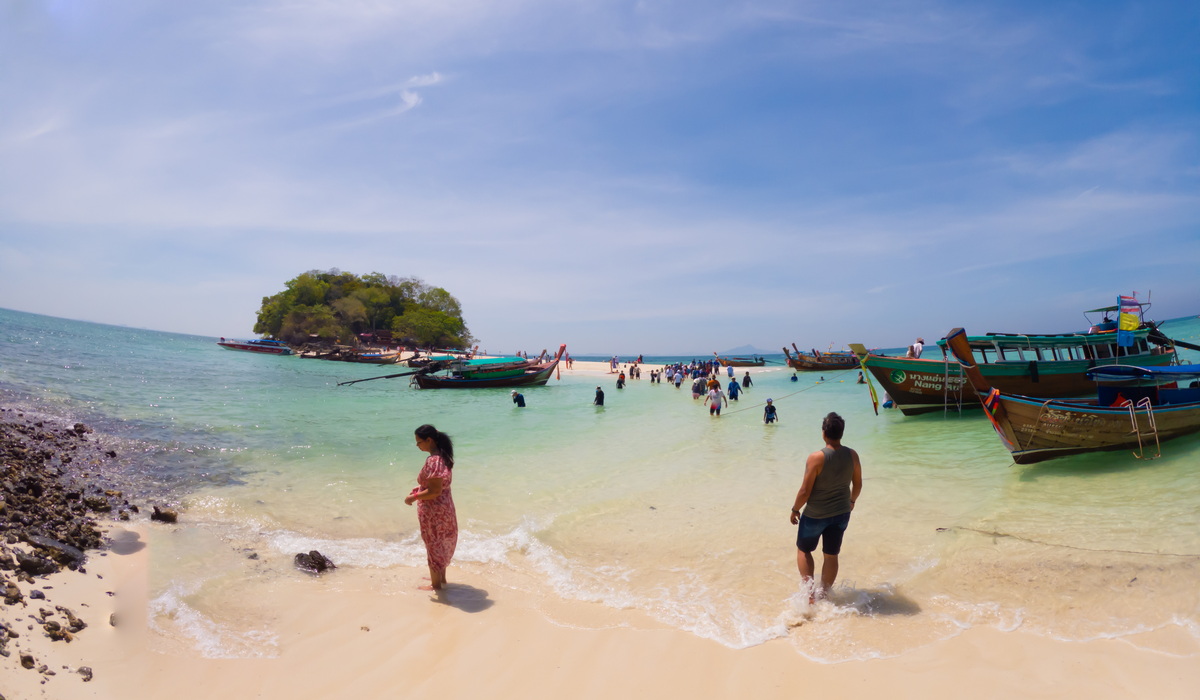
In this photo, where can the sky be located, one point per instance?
(658, 177)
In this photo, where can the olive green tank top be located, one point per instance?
(831, 490)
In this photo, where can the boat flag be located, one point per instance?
(1127, 320)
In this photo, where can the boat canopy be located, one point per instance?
(1124, 373)
(1017, 340)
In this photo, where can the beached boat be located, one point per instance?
(820, 361)
(740, 361)
(264, 346)
(1047, 365)
(373, 357)
(488, 372)
(1135, 408)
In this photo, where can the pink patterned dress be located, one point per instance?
(439, 523)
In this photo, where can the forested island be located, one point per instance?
(341, 307)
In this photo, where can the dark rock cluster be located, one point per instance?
(49, 498)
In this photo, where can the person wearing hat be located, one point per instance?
(518, 398)
(917, 347)
(770, 415)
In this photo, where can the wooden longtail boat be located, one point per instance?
(1135, 407)
(1050, 366)
(820, 361)
(489, 373)
(264, 346)
(740, 361)
(382, 357)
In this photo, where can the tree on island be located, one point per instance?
(339, 306)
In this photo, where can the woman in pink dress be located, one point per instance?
(435, 506)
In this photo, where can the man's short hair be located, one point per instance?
(833, 426)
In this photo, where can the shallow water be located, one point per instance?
(646, 504)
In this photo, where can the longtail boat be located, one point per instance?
(264, 346)
(373, 357)
(740, 361)
(488, 372)
(1134, 408)
(820, 361)
(1046, 365)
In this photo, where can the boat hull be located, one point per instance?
(743, 363)
(826, 363)
(924, 385)
(261, 349)
(1035, 429)
(823, 362)
(536, 375)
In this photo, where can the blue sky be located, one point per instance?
(625, 177)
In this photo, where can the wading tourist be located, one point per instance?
(832, 483)
(435, 506)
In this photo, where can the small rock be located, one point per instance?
(35, 565)
(86, 672)
(313, 562)
(165, 515)
(27, 661)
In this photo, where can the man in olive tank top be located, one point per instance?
(832, 482)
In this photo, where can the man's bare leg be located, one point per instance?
(829, 572)
(804, 562)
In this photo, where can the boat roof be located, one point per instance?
(1117, 373)
(1018, 340)
(484, 361)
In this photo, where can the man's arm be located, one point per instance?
(813, 467)
(856, 480)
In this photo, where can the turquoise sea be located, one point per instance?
(647, 504)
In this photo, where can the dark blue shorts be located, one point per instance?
(829, 530)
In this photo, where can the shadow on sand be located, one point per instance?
(127, 542)
(466, 598)
(877, 601)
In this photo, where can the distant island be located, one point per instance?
(341, 307)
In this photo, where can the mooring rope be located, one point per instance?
(1068, 546)
(833, 373)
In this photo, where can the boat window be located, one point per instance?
(1103, 351)
(983, 356)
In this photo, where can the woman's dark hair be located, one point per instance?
(445, 446)
(833, 426)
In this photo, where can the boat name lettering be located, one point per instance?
(927, 382)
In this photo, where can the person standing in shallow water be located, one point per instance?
(832, 484)
(435, 505)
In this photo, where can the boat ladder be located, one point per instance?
(1133, 408)
(949, 397)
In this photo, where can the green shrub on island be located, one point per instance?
(339, 307)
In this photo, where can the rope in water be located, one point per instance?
(785, 396)
(1069, 546)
